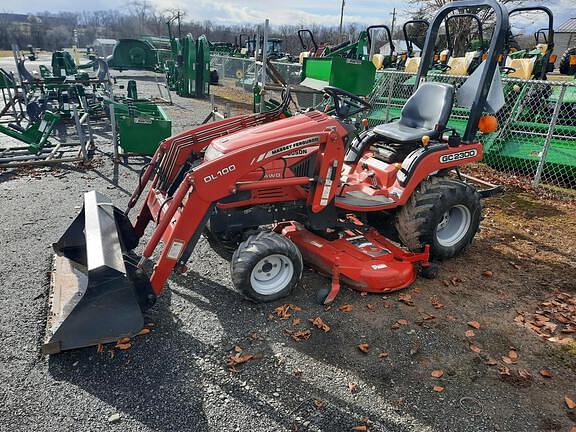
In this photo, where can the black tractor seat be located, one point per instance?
(426, 112)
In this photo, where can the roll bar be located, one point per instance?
(501, 26)
(548, 37)
(475, 17)
(305, 46)
(388, 35)
(408, 40)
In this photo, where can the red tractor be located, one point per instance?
(277, 191)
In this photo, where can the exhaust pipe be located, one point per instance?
(97, 292)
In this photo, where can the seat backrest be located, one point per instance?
(524, 67)
(412, 64)
(429, 107)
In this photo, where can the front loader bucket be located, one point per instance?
(97, 295)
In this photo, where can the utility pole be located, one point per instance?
(393, 22)
(342, 17)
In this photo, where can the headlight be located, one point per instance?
(211, 153)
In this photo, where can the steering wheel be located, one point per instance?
(507, 70)
(443, 67)
(346, 104)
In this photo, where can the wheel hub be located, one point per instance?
(271, 274)
(453, 226)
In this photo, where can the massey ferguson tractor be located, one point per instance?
(278, 192)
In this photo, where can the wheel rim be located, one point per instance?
(272, 274)
(454, 225)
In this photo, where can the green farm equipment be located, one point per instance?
(140, 126)
(36, 134)
(147, 53)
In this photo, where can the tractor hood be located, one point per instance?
(314, 121)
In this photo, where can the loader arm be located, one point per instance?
(182, 217)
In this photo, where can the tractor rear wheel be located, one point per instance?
(443, 213)
(565, 67)
(266, 266)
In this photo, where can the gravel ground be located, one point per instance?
(175, 378)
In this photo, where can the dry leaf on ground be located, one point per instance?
(504, 370)
(296, 321)
(317, 322)
(435, 301)
(525, 373)
(345, 308)
(513, 354)
(300, 335)
(352, 387)
(507, 360)
(437, 373)
(406, 299)
(297, 372)
(371, 306)
(545, 373)
(318, 403)
(283, 311)
(360, 428)
(123, 346)
(438, 389)
(469, 333)
(487, 273)
(569, 402)
(474, 324)
(475, 348)
(143, 332)
(383, 354)
(363, 347)
(124, 340)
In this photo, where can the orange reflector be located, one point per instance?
(552, 58)
(573, 59)
(488, 124)
(397, 165)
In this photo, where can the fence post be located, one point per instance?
(553, 120)
(389, 101)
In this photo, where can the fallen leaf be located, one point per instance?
(300, 335)
(237, 348)
(297, 372)
(383, 354)
(317, 322)
(451, 318)
(438, 389)
(474, 324)
(487, 273)
(525, 373)
(545, 373)
(475, 348)
(513, 354)
(569, 402)
(363, 347)
(345, 308)
(283, 311)
(319, 403)
(504, 370)
(124, 340)
(507, 360)
(406, 299)
(402, 322)
(437, 373)
(296, 321)
(352, 387)
(417, 290)
(123, 346)
(491, 362)
(573, 429)
(370, 306)
(237, 359)
(434, 301)
(469, 333)
(360, 428)
(100, 348)
(143, 332)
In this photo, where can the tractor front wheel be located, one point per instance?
(266, 266)
(443, 213)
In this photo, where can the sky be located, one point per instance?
(300, 12)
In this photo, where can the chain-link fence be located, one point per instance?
(536, 137)
(244, 70)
